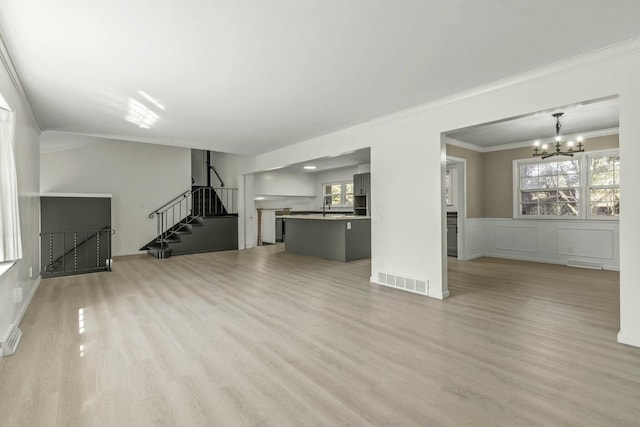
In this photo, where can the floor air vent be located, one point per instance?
(11, 340)
(585, 264)
(407, 283)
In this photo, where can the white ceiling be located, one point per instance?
(577, 119)
(249, 76)
(342, 160)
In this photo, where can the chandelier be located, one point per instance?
(571, 146)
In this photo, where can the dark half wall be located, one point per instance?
(74, 234)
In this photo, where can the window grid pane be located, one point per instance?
(604, 181)
(557, 184)
(339, 193)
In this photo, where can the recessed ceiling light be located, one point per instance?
(310, 167)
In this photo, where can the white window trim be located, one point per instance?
(342, 193)
(583, 189)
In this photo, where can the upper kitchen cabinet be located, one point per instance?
(361, 184)
(362, 194)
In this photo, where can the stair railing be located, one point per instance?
(182, 210)
(173, 216)
(67, 254)
(215, 201)
(217, 175)
(178, 197)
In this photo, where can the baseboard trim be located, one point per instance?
(439, 295)
(471, 257)
(24, 308)
(530, 259)
(628, 339)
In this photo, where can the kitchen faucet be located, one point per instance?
(326, 203)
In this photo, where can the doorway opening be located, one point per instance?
(561, 209)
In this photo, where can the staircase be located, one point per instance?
(203, 219)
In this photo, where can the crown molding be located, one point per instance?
(529, 143)
(521, 144)
(618, 50)
(8, 64)
(465, 145)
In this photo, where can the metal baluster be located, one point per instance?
(86, 250)
(202, 199)
(109, 250)
(51, 252)
(64, 249)
(75, 251)
(97, 249)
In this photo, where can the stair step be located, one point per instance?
(196, 221)
(185, 229)
(159, 253)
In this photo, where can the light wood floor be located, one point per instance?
(262, 337)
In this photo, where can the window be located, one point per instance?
(604, 185)
(550, 188)
(340, 193)
(10, 240)
(583, 186)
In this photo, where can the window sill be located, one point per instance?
(5, 266)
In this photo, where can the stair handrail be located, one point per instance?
(170, 202)
(218, 175)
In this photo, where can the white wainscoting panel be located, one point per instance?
(550, 241)
(517, 238)
(591, 243)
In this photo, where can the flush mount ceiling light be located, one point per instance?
(310, 167)
(558, 144)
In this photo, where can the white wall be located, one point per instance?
(27, 164)
(407, 159)
(229, 167)
(284, 183)
(140, 177)
(292, 203)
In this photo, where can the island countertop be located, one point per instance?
(327, 217)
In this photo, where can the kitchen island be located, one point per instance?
(338, 237)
